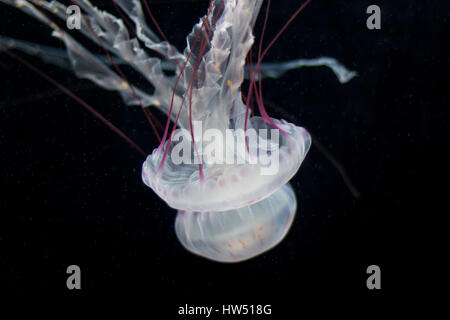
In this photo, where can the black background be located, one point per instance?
(71, 191)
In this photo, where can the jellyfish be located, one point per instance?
(225, 170)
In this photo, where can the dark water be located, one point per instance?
(71, 191)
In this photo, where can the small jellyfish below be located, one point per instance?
(239, 234)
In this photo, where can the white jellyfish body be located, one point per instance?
(239, 234)
(236, 210)
(239, 208)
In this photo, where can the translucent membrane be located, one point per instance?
(240, 234)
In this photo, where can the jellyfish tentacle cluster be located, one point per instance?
(225, 171)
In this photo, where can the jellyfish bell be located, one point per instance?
(228, 186)
(239, 234)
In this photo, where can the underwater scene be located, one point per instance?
(226, 158)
